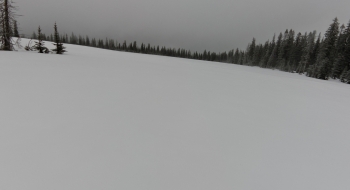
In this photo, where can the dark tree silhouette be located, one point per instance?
(60, 49)
(7, 20)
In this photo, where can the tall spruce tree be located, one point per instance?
(251, 51)
(327, 56)
(87, 41)
(342, 62)
(73, 39)
(265, 55)
(281, 52)
(235, 57)
(290, 52)
(345, 57)
(272, 62)
(298, 50)
(347, 48)
(39, 45)
(256, 56)
(315, 51)
(60, 49)
(307, 50)
(93, 42)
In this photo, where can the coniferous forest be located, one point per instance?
(315, 55)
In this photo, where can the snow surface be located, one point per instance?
(97, 119)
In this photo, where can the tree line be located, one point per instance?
(309, 53)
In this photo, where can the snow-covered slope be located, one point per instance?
(97, 119)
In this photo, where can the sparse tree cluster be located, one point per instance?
(40, 44)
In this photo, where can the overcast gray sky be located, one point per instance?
(215, 25)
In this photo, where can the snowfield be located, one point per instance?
(98, 119)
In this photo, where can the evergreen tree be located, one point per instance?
(81, 40)
(307, 50)
(93, 42)
(124, 46)
(312, 70)
(347, 48)
(296, 52)
(15, 29)
(73, 39)
(204, 54)
(273, 58)
(274, 54)
(315, 51)
(148, 49)
(240, 58)
(346, 77)
(235, 57)
(142, 48)
(327, 55)
(130, 48)
(60, 49)
(265, 55)
(302, 50)
(291, 53)
(87, 41)
(39, 45)
(111, 44)
(106, 46)
(256, 55)
(251, 50)
(135, 47)
(342, 61)
(281, 52)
